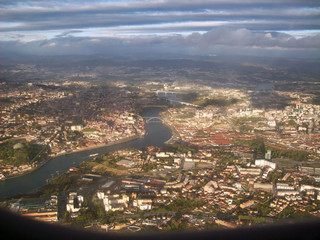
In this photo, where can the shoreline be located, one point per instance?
(127, 139)
(43, 162)
(175, 135)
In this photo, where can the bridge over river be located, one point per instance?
(157, 135)
(171, 96)
(153, 119)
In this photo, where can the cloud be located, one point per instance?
(216, 41)
(47, 43)
(95, 40)
(15, 36)
(68, 33)
(160, 15)
(142, 27)
(43, 43)
(246, 38)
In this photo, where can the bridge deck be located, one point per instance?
(149, 119)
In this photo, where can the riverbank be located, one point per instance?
(175, 135)
(156, 135)
(43, 162)
(123, 140)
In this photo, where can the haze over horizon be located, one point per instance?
(161, 28)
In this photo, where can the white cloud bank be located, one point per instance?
(207, 43)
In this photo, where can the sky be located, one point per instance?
(161, 27)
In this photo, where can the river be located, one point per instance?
(156, 135)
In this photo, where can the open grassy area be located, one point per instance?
(105, 165)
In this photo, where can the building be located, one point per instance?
(162, 155)
(265, 163)
(178, 183)
(285, 178)
(143, 204)
(210, 186)
(272, 123)
(309, 187)
(74, 202)
(76, 128)
(18, 146)
(225, 224)
(249, 171)
(114, 202)
(268, 155)
(126, 163)
(263, 186)
(310, 170)
(284, 193)
(40, 209)
(247, 204)
(284, 186)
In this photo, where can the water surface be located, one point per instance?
(156, 135)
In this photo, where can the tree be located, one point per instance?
(67, 216)
(86, 215)
(24, 155)
(258, 146)
(185, 205)
(177, 226)
(179, 148)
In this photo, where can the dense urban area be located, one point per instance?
(245, 151)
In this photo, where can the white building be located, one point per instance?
(143, 204)
(100, 195)
(263, 186)
(76, 128)
(115, 202)
(287, 192)
(210, 186)
(264, 163)
(74, 202)
(284, 186)
(249, 171)
(177, 161)
(126, 163)
(308, 187)
(162, 155)
(188, 160)
(272, 123)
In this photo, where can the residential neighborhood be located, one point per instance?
(227, 164)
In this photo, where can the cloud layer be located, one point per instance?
(207, 43)
(259, 14)
(160, 25)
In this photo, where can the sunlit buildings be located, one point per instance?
(74, 202)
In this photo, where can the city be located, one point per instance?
(160, 119)
(238, 165)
